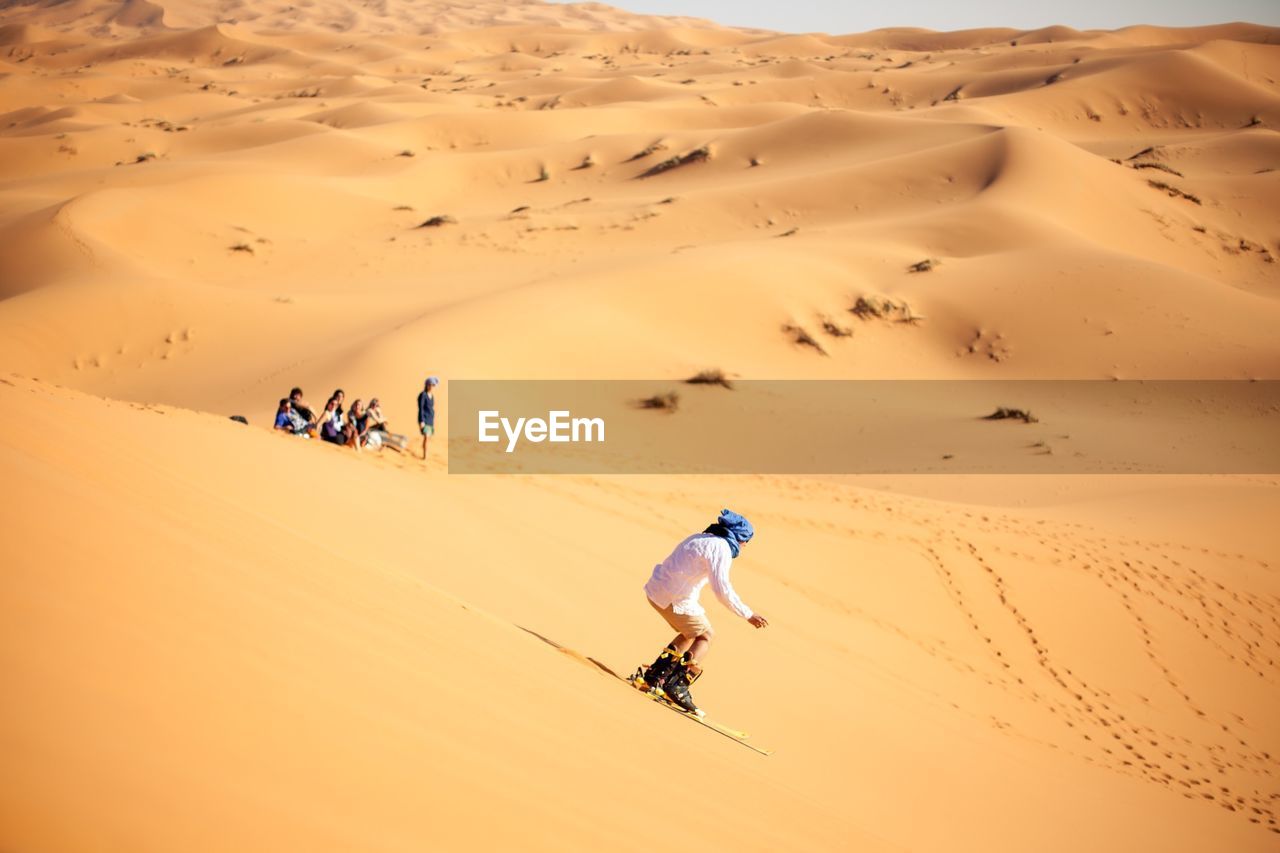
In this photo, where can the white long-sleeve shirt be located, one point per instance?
(678, 580)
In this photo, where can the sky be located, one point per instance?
(852, 16)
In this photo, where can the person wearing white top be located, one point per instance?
(673, 590)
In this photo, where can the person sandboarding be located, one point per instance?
(673, 591)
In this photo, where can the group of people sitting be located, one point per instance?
(363, 427)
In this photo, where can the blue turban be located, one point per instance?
(733, 529)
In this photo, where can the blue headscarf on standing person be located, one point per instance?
(732, 528)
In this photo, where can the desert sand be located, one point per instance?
(216, 637)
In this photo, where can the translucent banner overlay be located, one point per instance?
(864, 427)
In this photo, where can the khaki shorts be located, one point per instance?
(685, 625)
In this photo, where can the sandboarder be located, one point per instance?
(673, 591)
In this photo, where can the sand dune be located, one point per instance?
(223, 638)
(327, 689)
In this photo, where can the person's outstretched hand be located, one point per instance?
(759, 621)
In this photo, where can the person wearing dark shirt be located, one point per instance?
(300, 406)
(427, 412)
(339, 396)
(330, 422)
(357, 425)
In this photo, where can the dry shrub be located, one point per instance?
(802, 337)
(711, 377)
(651, 148)
(1004, 413)
(667, 402)
(1174, 191)
(1161, 166)
(883, 308)
(829, 326)
(697, 155)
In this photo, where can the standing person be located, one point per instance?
(673, 591)
(427, 412)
